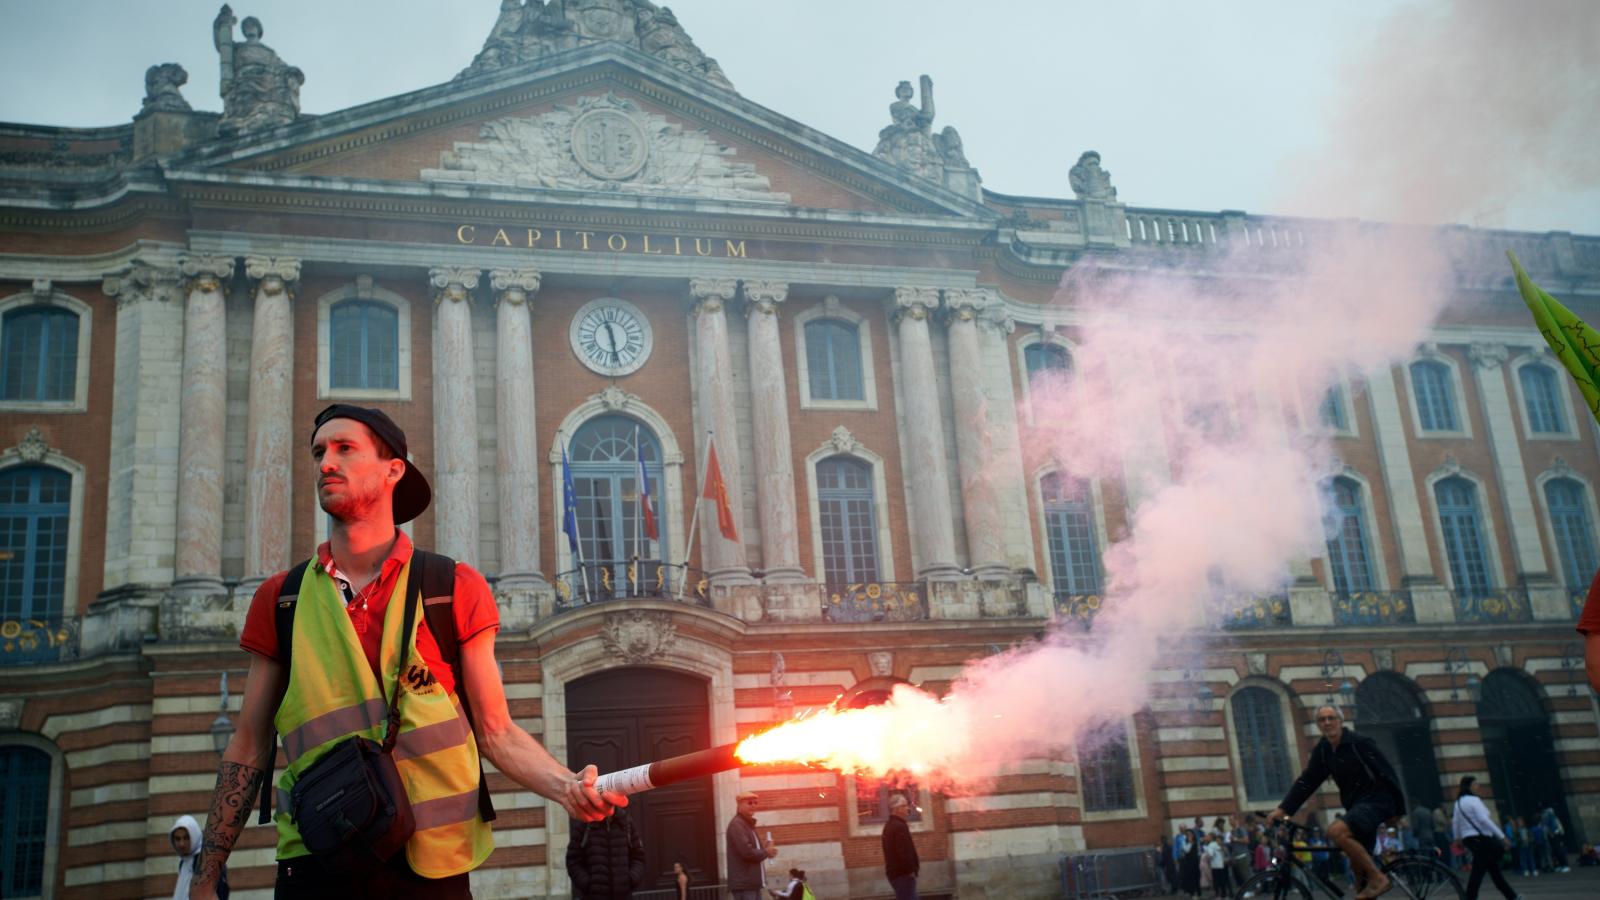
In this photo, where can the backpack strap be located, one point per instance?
(283, 623)
(438, 611)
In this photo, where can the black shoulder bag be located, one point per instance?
(351, 802)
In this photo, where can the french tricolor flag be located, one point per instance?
(647, 507)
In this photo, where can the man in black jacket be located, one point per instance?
(605, 859)
(1368, 789)
(900, 861)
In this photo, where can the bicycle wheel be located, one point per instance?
(1273, 884)
(1424, 879)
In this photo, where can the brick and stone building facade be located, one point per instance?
(179, 295)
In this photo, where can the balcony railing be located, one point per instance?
(1493, 607)
(1374, 608)
(875, 601)
(599, 582)
(34, 641)
(1242, 612)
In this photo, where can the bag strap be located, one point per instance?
(283, 625)
(413, 597)
(438, 612)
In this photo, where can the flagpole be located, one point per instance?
(577, 530)
(694, 517)
(638, 514)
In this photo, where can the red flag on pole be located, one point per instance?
(647, 507)
(717, 490)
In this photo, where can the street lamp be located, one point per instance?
(1456, 661)
(1202, 695)
(1333, 663)
(222, 726)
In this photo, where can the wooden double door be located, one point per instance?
(628, 716)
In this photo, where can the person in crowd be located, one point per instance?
(605, 859)
(1421, 822)
(680, 880)
(1389, 845)
(185, 839)
(900, 862)
(1526, 849)
(746, 852)
(1261, 854)
(1475, 828)
(1187, 846)
(1541, 846)
(1217, 861)
(1442, 838)
(1369, 791)
(1556, 833)
(797, 888)
(1588, 857)
(1238, 851)
(1167, 862)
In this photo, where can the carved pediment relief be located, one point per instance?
(603, 143)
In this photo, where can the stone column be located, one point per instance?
(269, 438)
(201, 424)
(1545, 596)
(774, 456)
(975, 457)
(140, 526)
(518, 456)
(1429, 598)
(723, 559)
(455, 415)
(928, 485)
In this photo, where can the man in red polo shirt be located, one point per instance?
(1589, 627)
(368, 487)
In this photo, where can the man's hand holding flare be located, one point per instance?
(584, 803)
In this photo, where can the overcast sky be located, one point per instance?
(1324, 109)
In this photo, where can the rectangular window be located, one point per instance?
(1106, 773)
(1331, 412)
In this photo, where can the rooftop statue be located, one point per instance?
(908, 140)
(1089, 181)
(161, 84)
(529, 29)
(259, 90)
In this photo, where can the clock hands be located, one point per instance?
(611, 333)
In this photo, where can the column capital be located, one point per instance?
(141, 281)
(273, 274)
(453, 283)
(1487, 355)
(997, 319)
(709, 294)
(764, 296)
(964, 304)
(514, 286)
(205, 273)
(914, 302)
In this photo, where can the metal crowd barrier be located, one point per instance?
(1110, 873)
(696, 892)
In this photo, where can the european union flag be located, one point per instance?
(569, 506)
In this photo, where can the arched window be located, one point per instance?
(1045, 360)
(364, 345)
(605, 478)
(1569, 517)
(1539, 392)
(1392, 715)
(1347, 540)
(1436, 402)
(34, 513)
(1069, 525)
(849, 521)
(1105, 770)
(833, 360)
(1519, 746)
(1264, 757)
(1463, 536)
(40, 354)
(871, 795)
(24, 816)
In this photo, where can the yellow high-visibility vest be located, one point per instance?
(332, 695)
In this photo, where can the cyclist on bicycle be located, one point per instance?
(1369, 790)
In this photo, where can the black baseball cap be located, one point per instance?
(412, 495)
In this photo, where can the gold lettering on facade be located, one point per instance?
(615, 241)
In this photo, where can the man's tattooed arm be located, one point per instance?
(231, 801)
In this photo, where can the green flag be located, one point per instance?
(1570, 338)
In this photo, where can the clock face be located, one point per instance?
(611, 336)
